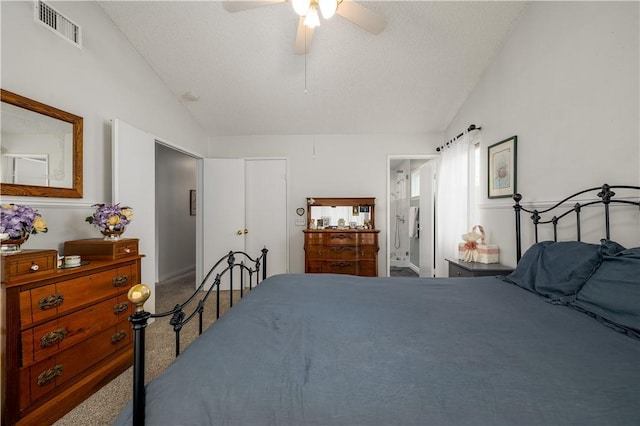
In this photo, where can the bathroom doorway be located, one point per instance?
(410, 215)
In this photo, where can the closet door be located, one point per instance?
(133, 184)
(244, 206)
(223, 227)
(266, 211)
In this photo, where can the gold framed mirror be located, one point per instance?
(41, 153)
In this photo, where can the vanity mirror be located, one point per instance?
(341, 213)
(41, 153)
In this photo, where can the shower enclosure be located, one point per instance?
(410, 213)
(399, 226)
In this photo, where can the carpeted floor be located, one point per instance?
(104, 406)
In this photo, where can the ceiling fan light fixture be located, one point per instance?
(312, 19)
(328, 8)
(301, 7)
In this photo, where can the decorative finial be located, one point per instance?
(138, 294)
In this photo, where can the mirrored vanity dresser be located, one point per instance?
(65, 327)
(340, 237)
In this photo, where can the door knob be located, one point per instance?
(239, 232)
(246, 231)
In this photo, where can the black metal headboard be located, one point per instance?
(605, 194)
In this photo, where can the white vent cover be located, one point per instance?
(56, 22)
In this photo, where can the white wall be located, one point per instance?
(105, 79)
(343, 166)
(566, 82)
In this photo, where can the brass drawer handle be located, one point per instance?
(50, 339)
(120, 308)
(50, 302)
(341, 264)
(116, 337)
(120, 280)
(49, 375)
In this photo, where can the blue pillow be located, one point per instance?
(556, 270)
(609, 248)
(613, 291)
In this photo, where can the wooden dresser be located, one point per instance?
(340, 237)
(66, 331)
(335, 251)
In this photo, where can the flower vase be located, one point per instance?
(12, 245)
(112, 234)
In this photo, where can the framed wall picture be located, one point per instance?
(502, 168)
(192, 202)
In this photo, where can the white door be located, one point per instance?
(427, 174)
(223, 221)
(266, 212)
(133, 185)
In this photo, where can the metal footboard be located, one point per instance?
(138, 295)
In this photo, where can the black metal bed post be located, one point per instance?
(138, 294)
(216, 282)
(242, 279)
(264, 263)
(517, 208)
(230, 261)
(577, 208)
(606, 195)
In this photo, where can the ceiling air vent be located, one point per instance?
(56, 22)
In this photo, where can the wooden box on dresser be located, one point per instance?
(348, 244)
(66, 331)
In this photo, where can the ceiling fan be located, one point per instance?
(309, 16)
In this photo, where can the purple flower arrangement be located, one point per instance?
(18, 220)
(111, 217)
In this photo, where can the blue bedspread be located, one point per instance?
(342, 350)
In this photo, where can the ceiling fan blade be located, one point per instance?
(361, 16)
(241, 5)
(303, 38)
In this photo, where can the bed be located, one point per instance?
(557, 342)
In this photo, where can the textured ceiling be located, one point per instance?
(411, 78)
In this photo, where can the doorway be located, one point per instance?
(411, 215)
(176, 177)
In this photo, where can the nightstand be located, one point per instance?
(460, 268)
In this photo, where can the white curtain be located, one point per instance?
(452, 202)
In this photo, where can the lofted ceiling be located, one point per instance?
(411, 78)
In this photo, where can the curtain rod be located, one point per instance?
(470, 128)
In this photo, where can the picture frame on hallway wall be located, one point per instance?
(192, 202)
(502, 168)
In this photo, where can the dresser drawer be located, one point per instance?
(29, 262)
(341, 267)
(45, 340)
(43, 303)
(313, 238)
(315, 252)
(367, 253)
(314, 266)
(367, 238)
(342, 238)
(367, 268)
(45, 376)
(341, 252)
